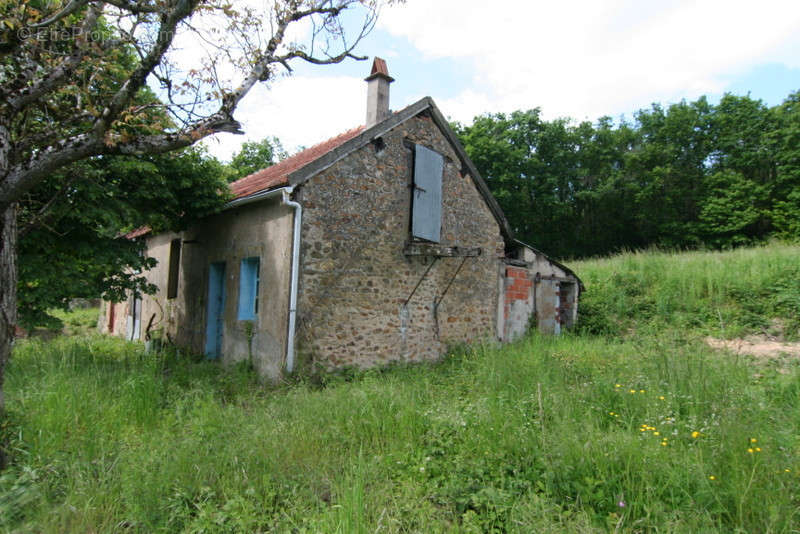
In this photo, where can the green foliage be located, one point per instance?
(785, 143)
(254, 156)
(571, 434)
(685, 176)
(706, 293)
(70, 240)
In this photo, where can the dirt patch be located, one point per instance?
(758, 346)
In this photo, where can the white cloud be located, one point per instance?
(586, 59)
(299, 110)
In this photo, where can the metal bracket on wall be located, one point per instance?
(420, 281)
(436, 303)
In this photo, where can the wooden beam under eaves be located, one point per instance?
(436, 250)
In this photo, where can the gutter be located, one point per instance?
(263, 195)
(298, 217)
(285, 194)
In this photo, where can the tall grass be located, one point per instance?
(720, 293)
(646, 431)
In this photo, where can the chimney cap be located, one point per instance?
(379, 70)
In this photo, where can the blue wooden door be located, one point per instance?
(216, 309)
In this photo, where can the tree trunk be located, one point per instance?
(8, 299)
(8, 278)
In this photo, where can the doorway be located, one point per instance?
(133, 325)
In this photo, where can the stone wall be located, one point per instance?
(362, 301)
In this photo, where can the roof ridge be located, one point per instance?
(278, 174)
(299, 153)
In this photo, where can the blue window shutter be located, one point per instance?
(248, 289)
(426, 218)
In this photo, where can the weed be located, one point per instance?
(647, 429)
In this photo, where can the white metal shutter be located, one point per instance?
(427, 196)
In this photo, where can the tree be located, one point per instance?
(785, 143)
(69, 225)
(530, 166)
(256, 155)
(667, 167)
(741, 174)
(605, 207)
(70, 90)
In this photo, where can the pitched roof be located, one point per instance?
(297, 169)
(366, 135)
(554, 262)
(278, 175)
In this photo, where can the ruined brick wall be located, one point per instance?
(518, 305)
(556, 293)
(355, 279)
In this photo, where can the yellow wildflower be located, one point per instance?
(753, 440)
(712, 477)
(641, 391)
(787, 470)
(750, 451)
(695, 434)
(758, 449)
(661, 397)
(633, 391)
(656, 433)
(617, 385)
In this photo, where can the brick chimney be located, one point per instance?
(378, 92)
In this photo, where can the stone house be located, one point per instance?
(381, 244)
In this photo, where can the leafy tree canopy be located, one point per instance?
(687, 175)
(71, 225)
(256, 155)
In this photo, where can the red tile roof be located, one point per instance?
(139, 232)
(278, 175)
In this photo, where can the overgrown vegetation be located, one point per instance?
(725, 294)
(641, 429)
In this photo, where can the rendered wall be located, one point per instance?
(262, 229)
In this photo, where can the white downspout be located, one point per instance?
(298, 217)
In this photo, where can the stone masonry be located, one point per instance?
(356, 306)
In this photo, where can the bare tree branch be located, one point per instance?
(135, 7)
(71, 7)
(166, 33)
(103, 137)
(60, 74)
(23, 177)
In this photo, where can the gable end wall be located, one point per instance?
(355, 279)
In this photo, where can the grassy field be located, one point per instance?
(632, 425)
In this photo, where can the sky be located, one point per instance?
(576, 59)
